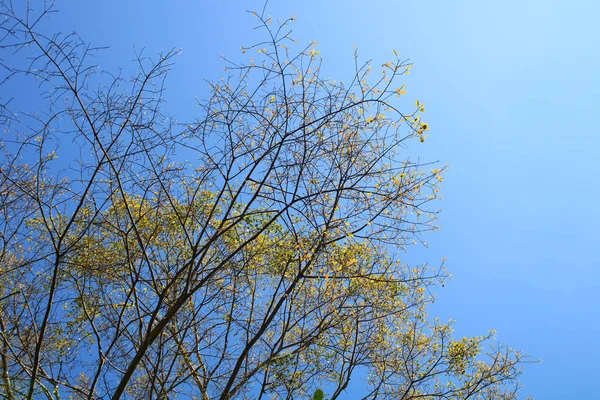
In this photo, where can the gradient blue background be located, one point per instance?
(512, 96)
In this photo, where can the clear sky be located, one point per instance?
(512, 96)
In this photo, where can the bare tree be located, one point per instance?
(266, 267)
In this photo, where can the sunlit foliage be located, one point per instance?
(268, 265)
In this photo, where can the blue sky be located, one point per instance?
(512, 93)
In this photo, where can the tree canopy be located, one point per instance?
(269, 265)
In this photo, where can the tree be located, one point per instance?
(267, 266)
